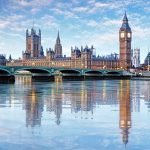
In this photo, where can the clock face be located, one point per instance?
(129, 35)
(122, 34)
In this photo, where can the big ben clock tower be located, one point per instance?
(125, 36)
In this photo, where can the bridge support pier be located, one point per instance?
(7, 79)
(43, 78)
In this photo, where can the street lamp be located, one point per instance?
(82, 65)
(33, 64)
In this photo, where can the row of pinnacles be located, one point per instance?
(81, 57)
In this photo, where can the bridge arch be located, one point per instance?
(4, 72)
(113, 73)
(34, 70)
(94, 72)
(68, 71)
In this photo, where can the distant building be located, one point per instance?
(146, 64)
(136, 58)
(84, 57)
(147, 59)
(2, 60)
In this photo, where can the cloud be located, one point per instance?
(48, 21)
(93, 23)
(140, 32)
(91, 1)
(11, 22)
(32, 3)
(80, 9)
(34, 10)
(64, 9)
(2, 45)
(108, 22)
(66, 13)
(101, 6)
(11, 34)
(31, 7)
(3, 24)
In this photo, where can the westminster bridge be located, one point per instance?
(8, 73)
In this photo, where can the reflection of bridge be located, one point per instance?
(46, 73)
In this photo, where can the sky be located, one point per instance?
(80, 22)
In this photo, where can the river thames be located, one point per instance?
(75, 115)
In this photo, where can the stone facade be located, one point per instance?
(80, 58)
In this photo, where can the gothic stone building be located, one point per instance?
(80, 58)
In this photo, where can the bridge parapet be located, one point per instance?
(83, 71)
(65, 73)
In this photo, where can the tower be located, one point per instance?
(125, 37)
(136, 58)
(40, 48)
(50, 54)
(58, 47)
(33, 43)
(75, 56)
(86, 57)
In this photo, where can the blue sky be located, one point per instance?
(80, 22)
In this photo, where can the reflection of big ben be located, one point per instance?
(125, 110)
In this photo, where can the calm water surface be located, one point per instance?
(80, 115)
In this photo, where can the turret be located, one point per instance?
(39, 33)
(33, 31)
(41, 52)
(58, 39)
(10, 58)
(39, 45)
(27, 33)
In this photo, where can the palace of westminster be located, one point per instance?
(84, 57)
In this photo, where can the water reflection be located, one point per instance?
(125, 110)
(95, 105)
(81, 100)
(33, 105)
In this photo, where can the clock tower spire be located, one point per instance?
(125, 37)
